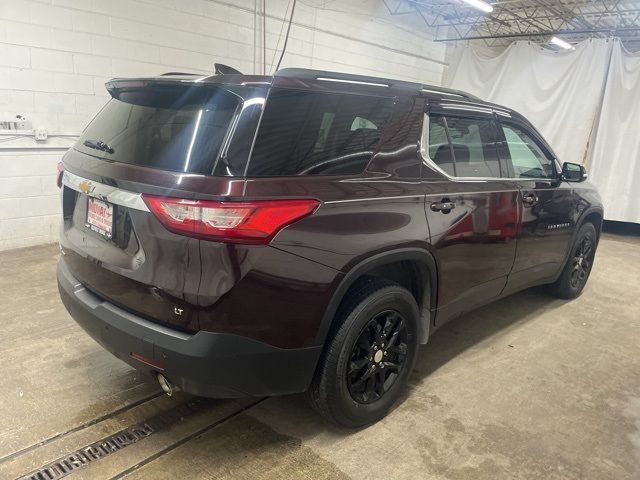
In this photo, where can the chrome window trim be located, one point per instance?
(466, 104)
(108, 193)
(467, 108)
(424, 153)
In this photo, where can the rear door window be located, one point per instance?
(174, 128)
(464, 146)
(317, 133)
(439, 147)
(474, 147)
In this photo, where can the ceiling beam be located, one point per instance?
(612, 31)
(632, 13)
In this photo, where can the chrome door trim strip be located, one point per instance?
(104, 192)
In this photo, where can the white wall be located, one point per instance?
(55, 56)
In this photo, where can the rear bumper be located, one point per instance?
(209, 364)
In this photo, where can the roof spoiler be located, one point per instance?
(220, 69)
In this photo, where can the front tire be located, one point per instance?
(576, 271)
(368, 359)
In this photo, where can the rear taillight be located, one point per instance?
(255, 222)
(60, 168)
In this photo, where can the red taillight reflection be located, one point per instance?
(254, 222)
(159, 364)
(60, 168)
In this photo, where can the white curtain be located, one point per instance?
(614, 162)
(586, 103)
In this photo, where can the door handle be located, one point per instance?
(445, 206)
(529, 198)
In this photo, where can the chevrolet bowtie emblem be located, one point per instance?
(86, 187)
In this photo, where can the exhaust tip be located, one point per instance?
(167, 387)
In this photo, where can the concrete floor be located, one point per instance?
(529, 387)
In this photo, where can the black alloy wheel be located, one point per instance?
(577, 268)
(378, 357)
(369, 356)
(582, 261)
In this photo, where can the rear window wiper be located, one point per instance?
(98, 145)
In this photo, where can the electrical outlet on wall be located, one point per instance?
(40, 134)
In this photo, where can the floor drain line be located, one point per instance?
(100, 449)
(80, 427)
(68, 464)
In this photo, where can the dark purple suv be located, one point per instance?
(249, 235)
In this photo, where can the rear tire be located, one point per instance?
(368, 359)
(576, 271)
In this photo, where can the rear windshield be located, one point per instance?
(174, 128)
(318, 133)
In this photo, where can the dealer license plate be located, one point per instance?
(100, 217)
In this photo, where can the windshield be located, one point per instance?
(170, 127)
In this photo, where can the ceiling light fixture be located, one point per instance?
(562, 44)
(480, 5)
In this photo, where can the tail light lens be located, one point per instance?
(60, 168)
(255, 222)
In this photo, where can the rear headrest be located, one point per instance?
(361, 139)
(461, 153)
(443, 155)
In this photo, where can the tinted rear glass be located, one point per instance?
(472, 152)
(167, 127)
(312, 133)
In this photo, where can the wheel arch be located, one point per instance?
(594, 215)
(422, 266)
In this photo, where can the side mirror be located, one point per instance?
(573, 172)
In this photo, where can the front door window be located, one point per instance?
(527, 157)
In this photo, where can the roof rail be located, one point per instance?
(305, 73)
(168, 74)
